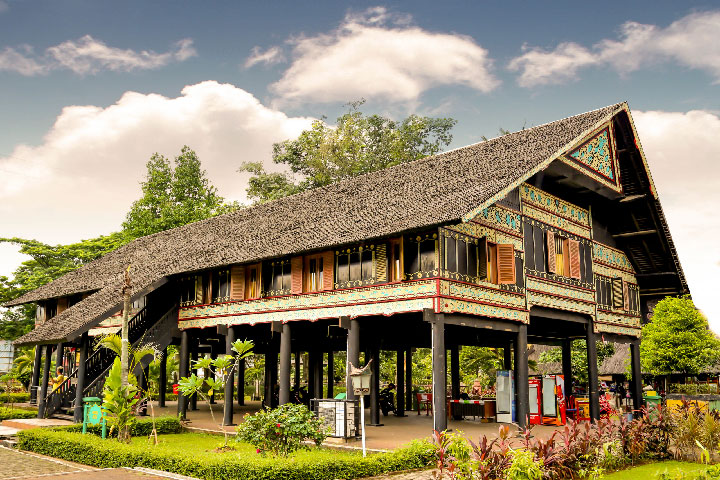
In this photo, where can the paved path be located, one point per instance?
(30, 466)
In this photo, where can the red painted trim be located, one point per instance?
(478, 286)
(483, 303)
(561, 283)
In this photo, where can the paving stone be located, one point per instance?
(16, 465)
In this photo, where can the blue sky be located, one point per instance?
(90, 89)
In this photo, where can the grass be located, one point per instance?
(650, 470)
(207, 445)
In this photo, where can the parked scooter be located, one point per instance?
(387, 399)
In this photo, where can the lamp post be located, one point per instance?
(360, 379)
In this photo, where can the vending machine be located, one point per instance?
(553, 400)
(535, 389)
(505, 395)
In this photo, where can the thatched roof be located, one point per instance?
(613, 365)
(432, 191)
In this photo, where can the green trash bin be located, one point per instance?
(653, 403)
(93, 414)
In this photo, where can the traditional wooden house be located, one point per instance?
(544, 235)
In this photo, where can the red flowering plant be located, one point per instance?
(282, 430)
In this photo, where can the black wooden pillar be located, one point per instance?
(59, 355)
(35, 381)
(162, 380)
(636, 384)
(353, 354)
(331, 374)
(567, 366)
(400, 397)
(507, 356)
(241, 383)
(408, 379)
(271, 374)
(311, 373)
(521, 377)
(45, 380)
(318, 374)
(285, 359)
(375, 387)
(80, 385)
(183, 371)
(439, 369)
(455, 377)
(193, 358)
(297, 371)
(592, 373)
(229, 379)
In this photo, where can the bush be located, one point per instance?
(8, 413)
(693, 388)
(140, 428)
(14, 397)
(91, 450)
(282, 430)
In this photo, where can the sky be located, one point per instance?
(89, 90)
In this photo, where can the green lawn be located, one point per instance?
(650, 470)
(207, 445)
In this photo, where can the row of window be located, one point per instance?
(617, 294)
(556, 254)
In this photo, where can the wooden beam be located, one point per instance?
(631, 198)
(468, 321)
(635, 234)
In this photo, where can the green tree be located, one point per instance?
(358, 144)
(678, 339)
(173, 196)
(578, 355)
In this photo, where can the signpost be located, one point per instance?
(93, 414)
(360, 378)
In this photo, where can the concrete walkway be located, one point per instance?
(395, 432)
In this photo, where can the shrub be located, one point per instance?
(7, 413)
(140, 428)
(91, 450)
(282, 430)
(14, 397)
(693, 388)
(524, 466)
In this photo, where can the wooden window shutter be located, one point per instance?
(574, 257)
(506, 263)
(626, 296)
(61, 305)
(296, 275)
(482, 258)
(198, 289)
(328, 269)
(237, 283)
(551, 258)
(617, 293)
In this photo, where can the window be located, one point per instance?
(252, 282)
(618, 291)
(278, 278)
(191, 290)
(355, 267)
(314, 273)
(221, 286)
(460, 257)
(419, 256)
(492, 270)
(395, 260)
(563, 256)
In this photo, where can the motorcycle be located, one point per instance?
(387, 400)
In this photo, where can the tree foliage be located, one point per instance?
(578, 354)
(173, 196)
(678, 339)
(359, 144)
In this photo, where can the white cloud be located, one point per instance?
(80, 181)
(269, 57)
(376, 54)
(690, 42)
(682, 152)
(88, 55)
